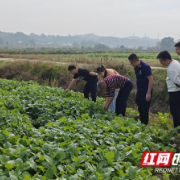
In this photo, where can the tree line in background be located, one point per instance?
(88, 42)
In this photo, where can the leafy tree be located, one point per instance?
(101, 47)
(1, 41)
(122, 47)
(75, 44)
(140, 48)
(167, 43)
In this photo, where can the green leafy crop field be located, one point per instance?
(47, 134)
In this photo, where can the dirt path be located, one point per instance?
(54, 62)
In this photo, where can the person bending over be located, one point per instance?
(108, 86)
(103, 73)
(91, 79)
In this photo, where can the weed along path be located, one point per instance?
(58, 63)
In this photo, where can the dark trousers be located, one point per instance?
(174, 102)
(143, 108)
(90, 88)
(121, 100)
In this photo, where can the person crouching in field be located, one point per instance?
(91, 79)
(103, 73)
(177, 46)
(109, 84)
(144, 84)
(173, 84)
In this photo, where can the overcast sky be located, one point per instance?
(119, 18)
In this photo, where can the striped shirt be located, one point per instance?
(109, 72)
(114, 82)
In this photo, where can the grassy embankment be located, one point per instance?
(55, 75)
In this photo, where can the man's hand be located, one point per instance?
(135, 92)
(148, 97)
(106, 107)
(66, 90)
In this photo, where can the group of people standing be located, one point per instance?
(117, 87)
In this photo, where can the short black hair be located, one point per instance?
(133, 57)
(101, 69)
(71, 67)
(177, 44)
(164, 55)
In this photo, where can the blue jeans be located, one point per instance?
(112, 106)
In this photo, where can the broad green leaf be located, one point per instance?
(6, 132)
(7, 145)
(131, 171)
(60, 155)
(49, 159)
(18, 162)
(110, 156)
(41, 168)
(9, 165)
(116, 178)
(51, 171)
(93, 177)
(4, 178)
(81, 173)
(3, 158)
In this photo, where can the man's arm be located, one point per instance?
(150, 85)
(135, 89)
(108, 102)
(115, 72)
(93, 74)
(71, 84)
(174, 77)
(109, 97)
(101, 78)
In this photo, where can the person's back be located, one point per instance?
(109, 84)
(84, 75)
(103, 73)
(109, 72)
(116, 81)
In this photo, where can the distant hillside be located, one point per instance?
(20, 39)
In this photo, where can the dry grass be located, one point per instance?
(53, 74)
(80, 59)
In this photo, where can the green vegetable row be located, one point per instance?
(47, 134)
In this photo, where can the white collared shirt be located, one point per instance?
(173, 76)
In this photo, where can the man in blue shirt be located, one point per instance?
(144, 84)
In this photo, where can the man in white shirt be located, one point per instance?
(177, 46)
(173, 84)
